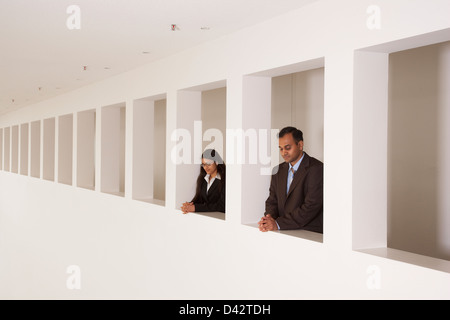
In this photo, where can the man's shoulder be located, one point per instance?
(313, 161)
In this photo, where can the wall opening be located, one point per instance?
(65, 149)
(49, 150)
(149, 149)
(201, 125)
(298, 100)
(1, 148)
(113, 149)
(418, 205)
(7, 149)
(24, 147)
(15, 149)
(35, 149)
(286, 96)
(401, 166)
(86, 129)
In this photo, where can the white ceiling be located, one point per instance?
(40, 57)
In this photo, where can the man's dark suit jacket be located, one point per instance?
(302, 207)
(213, 200)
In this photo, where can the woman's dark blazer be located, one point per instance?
(213, 200)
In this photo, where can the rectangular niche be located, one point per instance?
(113, 149)
(402, 106)
(1, 149)
(24, 136)
(201, 116)
(298, 101)
(35, 149)
(7, 149)
(86, 149)
(48, 171)
(418, 136)
(286, 96)
(15, 149)
(65, 149)
(149, 149)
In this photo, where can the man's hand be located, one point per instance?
(267, 223)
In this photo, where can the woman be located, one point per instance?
(210, 191)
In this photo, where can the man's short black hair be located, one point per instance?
(296, 134)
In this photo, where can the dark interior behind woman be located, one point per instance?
(210, 190)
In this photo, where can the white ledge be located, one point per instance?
(409, 257)
(303, 234)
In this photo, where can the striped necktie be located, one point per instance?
(290, 178)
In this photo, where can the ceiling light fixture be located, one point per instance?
(205, 28)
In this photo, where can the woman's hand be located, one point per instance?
(188, 207)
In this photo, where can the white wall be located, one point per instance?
(132, 249)
(214, 114)
(369, 203)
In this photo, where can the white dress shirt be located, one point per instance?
(210, 182)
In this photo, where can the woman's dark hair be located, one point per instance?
(296, 134)
(210, 154)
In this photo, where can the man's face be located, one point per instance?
(289, 150)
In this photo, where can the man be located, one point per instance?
(296, 190)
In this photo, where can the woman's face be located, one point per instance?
(210, 166)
